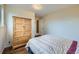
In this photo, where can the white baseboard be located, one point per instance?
(1, 51)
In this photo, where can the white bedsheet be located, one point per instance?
(48, 44)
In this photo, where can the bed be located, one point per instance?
(48, 44)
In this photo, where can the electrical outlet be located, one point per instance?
(9, 42)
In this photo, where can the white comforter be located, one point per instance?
(48, 44)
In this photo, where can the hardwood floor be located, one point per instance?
(20, 50)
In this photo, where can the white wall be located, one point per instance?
(2, 30)
(0, 16)
(19, 12)
(2, 38)
(64, 23)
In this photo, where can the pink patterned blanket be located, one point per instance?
(72, 48)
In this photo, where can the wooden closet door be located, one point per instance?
(22, 31)
(27, 28)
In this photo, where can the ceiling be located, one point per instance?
(46, 8)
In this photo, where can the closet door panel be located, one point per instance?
(28, 30)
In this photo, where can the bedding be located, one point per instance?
(72, 48)
(48, 44)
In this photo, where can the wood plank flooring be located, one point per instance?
(20, 50)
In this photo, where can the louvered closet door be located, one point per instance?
(22, 31)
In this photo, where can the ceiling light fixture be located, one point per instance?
(37, 6)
